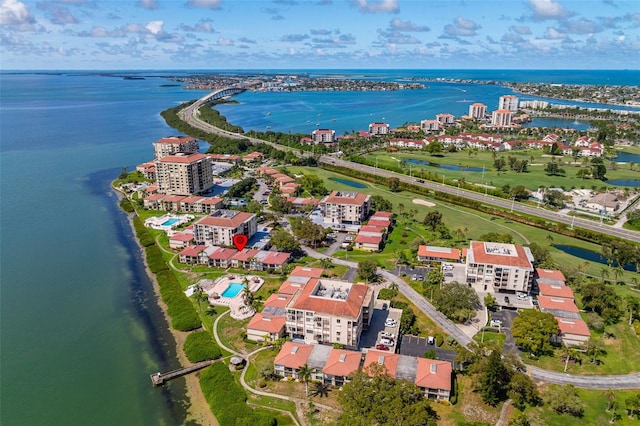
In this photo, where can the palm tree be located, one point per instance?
(592, 347)
(304, 374)
(247, 296)
(632, 305)
(200, 296)
(604, 273)
(393, 286)
(320, 389)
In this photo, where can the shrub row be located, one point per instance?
(182, 312)
(199, 346)
(126, 205)
(228, 400)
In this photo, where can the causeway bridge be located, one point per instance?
(222, 93)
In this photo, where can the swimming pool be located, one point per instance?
(233, 290)
(170, 222)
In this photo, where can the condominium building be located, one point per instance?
(219, 228)
(430, 125)
(378, 129)
(172, 145)
(330, 311)
(341, 207)
(477, 111)
(497, 267)
(501, 118)
(445, 119)
(323, 136)
(508, 102)
(184, 174)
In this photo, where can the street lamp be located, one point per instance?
(443, 179)
(513, 201)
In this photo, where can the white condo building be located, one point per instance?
(501, 118)
(508, 102)
(477, 111)
(497, 267)
(172, 145)
(184, 174)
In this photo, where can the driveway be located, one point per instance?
(507, 316)
(417, 346)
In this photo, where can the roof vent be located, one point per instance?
(434, 368)
(381, 359)
(343, 357)
(294, 350)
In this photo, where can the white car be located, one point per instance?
(387, 342)
(496, 323)
(387, 335)
(390, 323)
(522, 296)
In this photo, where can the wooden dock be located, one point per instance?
(159, 378)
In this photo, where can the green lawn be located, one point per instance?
(532, 179)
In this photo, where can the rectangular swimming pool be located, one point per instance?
(170, 222)
(233, 290)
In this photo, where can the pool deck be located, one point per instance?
(215, 289)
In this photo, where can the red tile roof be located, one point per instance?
(182, 236)
(339, 197)
(433, 374)
(519, 258)
(368, 239)
(154, 197)
(441, 252)
(267, 323)
(187, 158)
(550, 274)
(276, 258)
(382, 214)
(279, 300)
(213, 200)
(386, 358)
(293, 355)
(192, 251)
(245, 254)
(373, 228)
(226, 222)
(303, 271)
(304, 300)
(552, 290)
(342, 362)
(557, 303)
(175, 139)
(573, 326)
(222, 253)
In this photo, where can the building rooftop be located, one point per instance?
(267, 323)
(500, 254)
(342, 362)
(225, 218)
(557, 304)
(442, 252)
(433, 374)
(182, 158)
(550, 274)
(345, 197)
(338, 298)
(554, 290)
(293, 355)
(573, 326)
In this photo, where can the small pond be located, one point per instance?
(348, 182)
(589, 255)
(443, 166)
(624, 182)
(627, 157)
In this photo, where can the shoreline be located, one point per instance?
(198, 410)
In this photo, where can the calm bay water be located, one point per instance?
(80, 327)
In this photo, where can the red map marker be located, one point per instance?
(240, 241)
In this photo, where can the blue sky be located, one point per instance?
(327, 34)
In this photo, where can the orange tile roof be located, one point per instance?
(193, 251)
(154, 197)
(293, 355)
(279, 300)
(188, 158)
(427, 378)
(212, 200)
(386, 358)
(291, 288)
(373, 228)
(304, 300)
(573, 326)
(226, 222)
(382, 214)
(550, 274)
(552, 290)
(245, 254)
(267, 323)
(337, 197)
(368, 239)
(222, 253)
(276, 258)
(342, 362)
(303, 271)
(442, 252)
(480, 256)
(175, 139)
(557, 303)
(182, 236)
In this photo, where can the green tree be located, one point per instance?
(598, 170)
(494, 379)
(489, 301)
(533, 330)
(433, 220)
(554, 198)
(304, 374)
(284, 241)
(320, 389)
(254, 207)
(519, 192)
(565, 399)
(435, 277)
(456, 301)
(523, 391)
(382, 400)
(601, 299)
(380, 204)
(553, 169)
(368, 270)
(313, 185)
(434, 147)
(500, 164)
(632, 404)
(393, 184)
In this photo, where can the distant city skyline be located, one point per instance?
(319, 34)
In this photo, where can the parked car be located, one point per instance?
(390, 323)
(522, 296)
(382, 347)
(506, 300)
(388, 335)
(414, 277)
(420, 278)
(496, 323)
(385, 341)
(431, 340)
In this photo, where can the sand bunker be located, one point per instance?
(423, 202)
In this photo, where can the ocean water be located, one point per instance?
(81, 331)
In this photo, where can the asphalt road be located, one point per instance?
(493, 201)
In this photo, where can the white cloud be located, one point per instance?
(461, 27)
(374, 6)
(155, 27)
(224, 42)
(15, 13)
(548, 9)
(207, 4)
(522, 30)
(554, 34)
(400, 25)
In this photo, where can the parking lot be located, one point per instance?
(408, 271)
(417, 346)
(506, 316)
(371, 337)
